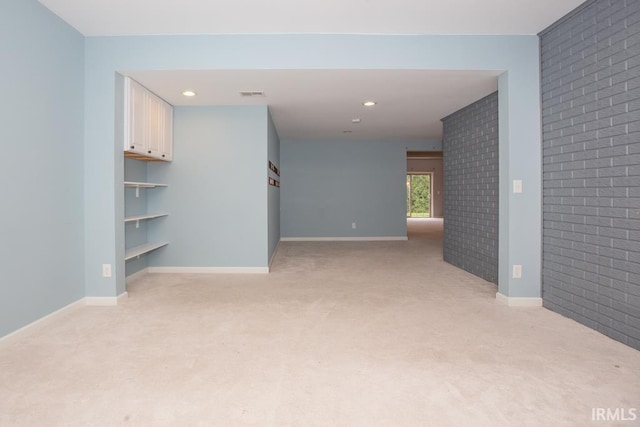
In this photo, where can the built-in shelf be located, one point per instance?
(142, 249)
(139, 185)
(132, 184)
(149, 246)
(142, 217)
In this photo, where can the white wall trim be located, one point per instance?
(210, 270)
(46, 319)
(342, 239)
(518, 302)
(105, 301)
(138, 274)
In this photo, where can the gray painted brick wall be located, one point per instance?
(470, 154)
(590, 63)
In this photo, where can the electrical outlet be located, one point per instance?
(517, 271)
(353, 225)
(106, 270)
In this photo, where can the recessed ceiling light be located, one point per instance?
(355, 121)
(369, 103)
(189, 93)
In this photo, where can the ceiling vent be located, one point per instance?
(252, 94)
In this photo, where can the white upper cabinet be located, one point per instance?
(135, 129)
(148, 124)
(155, 125)
(167, 149)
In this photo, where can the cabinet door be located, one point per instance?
(136, 130)
(155, 126)
(167, 149)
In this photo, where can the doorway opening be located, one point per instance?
(419, 195)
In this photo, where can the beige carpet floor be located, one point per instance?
(339, 334)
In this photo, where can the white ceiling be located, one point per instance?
(320, 104)
(137, 17)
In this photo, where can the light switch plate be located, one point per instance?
(517, 186)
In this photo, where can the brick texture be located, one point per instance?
(590, 64)
(470, 153)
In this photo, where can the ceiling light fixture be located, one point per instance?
(369, 103)
(356, 121)
(189, 93)
(253, 93)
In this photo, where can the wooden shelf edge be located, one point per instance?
(142, 249)
(144, 158)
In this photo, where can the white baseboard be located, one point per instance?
(105, 301)
(46, 319)
(82, 302)
(343, 239)
(518, 302)
(138, 274)
(210, 270)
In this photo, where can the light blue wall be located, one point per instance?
(328, 185)
(273, 154)
(217, 194)
(41, 247)
(520, 157)
(518, 56)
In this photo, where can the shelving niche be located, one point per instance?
(147, 247)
